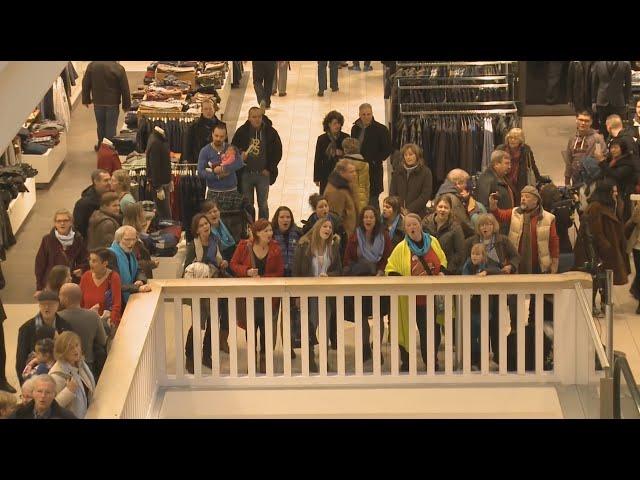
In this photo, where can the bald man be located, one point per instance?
(87, 324)
(616, 129)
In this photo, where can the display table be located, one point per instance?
(48, 163)
(225, 93)
(20, 206)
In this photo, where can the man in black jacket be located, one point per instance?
(261, 151)
(44, 405)
(159, 171)
(48, 304)
(199, 133)
(375, 147)
(610, 90)
(105, 85)
(263, 73)
(494, 180)
(90, 200)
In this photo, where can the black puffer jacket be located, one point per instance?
(451, 240)
(375, 148)
(198, 136)
(89, 202)
(413, 189)
(158, 160)
(105, 83)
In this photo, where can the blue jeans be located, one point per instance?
(106, 120)
(261, 184)
(322, 75)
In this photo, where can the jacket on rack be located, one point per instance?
(375, 148)
(108, 159)
(273, 152)
(106, 83)
(158, 160)
(323, 164)
(611, 84)
(362, 179)
(198, 135)
(579, 85)
(52, 253)
(414, 187)
(88, 203)
(342, 200)
(102, 229)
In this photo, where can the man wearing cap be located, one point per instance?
(48, 303)
(532, 231)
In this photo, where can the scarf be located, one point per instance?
(426, 244)
(515, 164)
(66, 240)
(127, 267)
(223, 235)
(526, 265)
(394, 226)
(409, 169)
(333, 145)
(370, 252)
(210, 255)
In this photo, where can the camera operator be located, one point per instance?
(601, 234)
(562, 206)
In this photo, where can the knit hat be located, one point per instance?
(48, 296)
(532, 191)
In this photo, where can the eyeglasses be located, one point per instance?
(63, 221)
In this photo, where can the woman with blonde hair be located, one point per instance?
(75, 384)
(121, 185)
(412, 181)
(524, 170)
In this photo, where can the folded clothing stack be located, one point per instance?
(38, 142)
(125, 142)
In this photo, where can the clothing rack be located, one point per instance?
(450, 64)
(495, 111)
(439, 87)
(169, 115)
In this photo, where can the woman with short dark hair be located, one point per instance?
(328, 148)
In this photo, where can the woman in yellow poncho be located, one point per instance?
(418, 254)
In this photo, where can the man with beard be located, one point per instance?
(213, 167)
(199, 133)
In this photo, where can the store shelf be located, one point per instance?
(225, 92)
(48, 163)
(20, 206)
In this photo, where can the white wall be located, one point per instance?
(22, 86)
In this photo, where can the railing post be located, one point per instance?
(564, 313)
(609, 316)
(161, 343)
(609, 401)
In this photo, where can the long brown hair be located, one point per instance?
(258, 226)
(316, 242)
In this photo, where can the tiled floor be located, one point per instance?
(297, 117)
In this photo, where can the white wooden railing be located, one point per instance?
(140, 361)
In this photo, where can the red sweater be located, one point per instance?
(241, 260)
(108, 159)
(92, 294)
(351, 251)
(504, 216)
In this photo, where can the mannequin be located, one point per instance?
(108, 157)
(159, 170)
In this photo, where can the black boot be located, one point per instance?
(404, 360)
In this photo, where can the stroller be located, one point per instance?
(235, 212)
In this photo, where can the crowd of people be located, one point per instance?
(494, 223)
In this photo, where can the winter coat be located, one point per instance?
(76, 402)
(241, 261)
(198, 135)
(343, 201)
(526, 161)
(27, 341)
(106, 83)
(302, 263)
(88, 203)
(323, 165)
(507, 252)
(375, 148)
(611, 87)
(488, 183)
(624, 173)
(609, 242)
(451, 240)
(102, 229)
(288, 245)
(242, 140)
(467, 216)
(158, 160)
(579, 85)
(415, 189)
(51, 253)
(25, 412)
(108, 159)
(362, 179)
